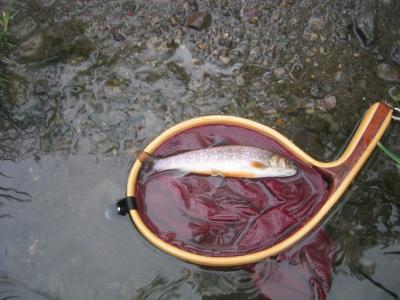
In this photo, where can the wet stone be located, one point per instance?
(40, 88)
(200, 20)
(23, 28)
(347, 22)
(253, 21)
(173, 21)
(147, 76)
(240, 81)
(389, 73)
(129, 144)
(18, 90)
(129, 7)
(178, 71)
(297, 71)
(329, 102)
(279, 72)
(316, 23)
(394, 93)
(313, 36)
(118, 37)
(395, 55)
(342, 34)
(225, 60)
(368, 266)
(364, 25)
(315, 91)
(251, 12)
(31, 47)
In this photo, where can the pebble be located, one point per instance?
(173, 21)
(40, 88)
(338, 76)
(368, 266)
(342, 34)
(23, 28)
(330, 120)
(329, 102)
(118, 37)
(314, 91)
(251, 12)
(316, 23)
(224, 59)
(389, 73)
(313, 36)
(364, 26)
(297, 71)
(178, 71)
(240, 81)
(394, 93)
(202, 46)
(253, 21)
(31, 46)
(279, 72)
(199, 20)
(347, 21)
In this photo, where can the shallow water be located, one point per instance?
(84, 84)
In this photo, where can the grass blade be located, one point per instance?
(390, 154)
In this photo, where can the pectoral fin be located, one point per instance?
(257, 164)
(216, 173)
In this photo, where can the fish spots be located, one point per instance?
(257, 164)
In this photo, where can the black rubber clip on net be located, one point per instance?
(124, 205)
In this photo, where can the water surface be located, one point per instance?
(84, 84)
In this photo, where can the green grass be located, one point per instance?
(5, 19)
(390, 154)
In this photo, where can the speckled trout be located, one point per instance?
(228, 161)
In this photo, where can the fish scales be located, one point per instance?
(230, 161)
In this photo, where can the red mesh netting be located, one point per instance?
(218, 216)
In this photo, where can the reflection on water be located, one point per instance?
(303, 272)
(200, 283)
(77, 100)
(13, 289)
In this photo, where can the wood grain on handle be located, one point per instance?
(364, 141)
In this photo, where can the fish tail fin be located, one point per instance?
(145, 157)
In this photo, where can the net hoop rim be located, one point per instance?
(290, 240)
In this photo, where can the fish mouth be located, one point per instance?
(290, 169)
(287, 173)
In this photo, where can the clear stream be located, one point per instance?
(85, 84)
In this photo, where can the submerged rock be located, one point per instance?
(395, 55)
(394, 93)
(118, 37)
(178, 71)
(173, 21)
(364, 23)
(23, 28)
(389, 73)
(31, 47)
(329, 102)
(199, 20)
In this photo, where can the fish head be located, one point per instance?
(281, 166)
